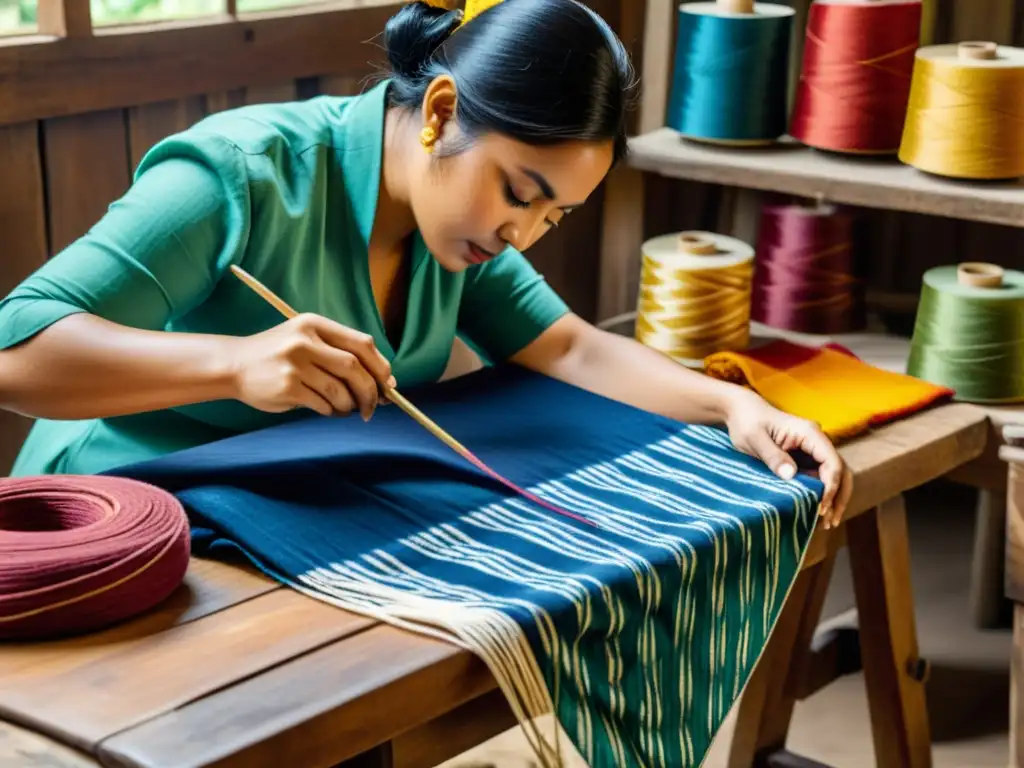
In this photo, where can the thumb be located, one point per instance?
(780, 462)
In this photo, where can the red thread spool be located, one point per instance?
(805, 274)
(78, 554)
(855, 80)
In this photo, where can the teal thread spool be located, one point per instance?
(731, 76)
(969, 332)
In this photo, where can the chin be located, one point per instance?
(451, 262)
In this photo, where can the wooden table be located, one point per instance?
(1012, 452)
(235, 670)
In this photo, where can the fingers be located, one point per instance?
(307, 398)
(831, 472)
(334, 391)
(348, 379)
(778, 461)
(356, 342)
(842, 500)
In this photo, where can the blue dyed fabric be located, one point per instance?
(639, 633)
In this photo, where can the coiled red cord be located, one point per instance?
(81, 553)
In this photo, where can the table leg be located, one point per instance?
(988, 605)
(1017, 689)
(378, 757)
(893, 671)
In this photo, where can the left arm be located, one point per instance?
(510, 312)
(611, 365)
(620, 368)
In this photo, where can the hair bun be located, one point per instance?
(415, 32)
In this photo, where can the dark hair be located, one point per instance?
(540, 71)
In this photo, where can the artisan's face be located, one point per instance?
(498, 191)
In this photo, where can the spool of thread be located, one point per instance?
(855, 79)
(969, 332)
(965, 118)
(730, 80)
(805, 275)
(694, 295)
(78, 554)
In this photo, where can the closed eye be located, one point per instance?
(510, 196)
(516, 202)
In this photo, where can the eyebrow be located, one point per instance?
(545, 187)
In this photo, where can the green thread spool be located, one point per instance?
(969, 332)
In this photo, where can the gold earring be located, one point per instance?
(427, 137)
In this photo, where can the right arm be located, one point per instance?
(82, 337)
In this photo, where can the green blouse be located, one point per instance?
(288, 192)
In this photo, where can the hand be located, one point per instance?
(312, 362)
(759, 430)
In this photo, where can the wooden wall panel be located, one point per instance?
(23, 238)
(223, 100)
(271, 94)
(149, 123)
(342, 85)
(87, 168)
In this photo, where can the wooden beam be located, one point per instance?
(793, 169)
(64, 18)
(117, 67)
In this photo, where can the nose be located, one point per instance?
(521, 234)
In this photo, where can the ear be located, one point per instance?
(439, 103)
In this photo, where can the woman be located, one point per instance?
(394, 219)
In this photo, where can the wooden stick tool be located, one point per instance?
(392, 394)
(421, 418)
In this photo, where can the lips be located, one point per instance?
(478, 255)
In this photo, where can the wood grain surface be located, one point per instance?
(142, 64)
(24, 245)
(794, 169)
(87, 168)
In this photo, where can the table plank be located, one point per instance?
(794, 169)
(91, 691)
(345, 698)
(20, 748)
(320, 709)
(909, 453)
(209, 586)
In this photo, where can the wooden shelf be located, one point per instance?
(791, 168)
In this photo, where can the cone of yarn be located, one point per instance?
(806, 277)
(969, 332)
(855, 78)
(965, 118)
(78, 554)
(731, 73)
(694, 295)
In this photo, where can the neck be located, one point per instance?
(394, 220)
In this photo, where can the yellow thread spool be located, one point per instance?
(965, 117)
(695, 295)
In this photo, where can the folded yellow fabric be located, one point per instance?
(829, 385)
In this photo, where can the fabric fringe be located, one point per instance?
(489, 634)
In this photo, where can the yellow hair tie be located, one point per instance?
(473, 7)
(476, 7)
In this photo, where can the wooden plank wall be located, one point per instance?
(898, 247)
(61, 173)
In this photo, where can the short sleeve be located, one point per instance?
(156, 253)
(506, 304)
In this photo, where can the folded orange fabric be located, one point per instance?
(829, 385)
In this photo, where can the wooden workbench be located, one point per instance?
(235, 670)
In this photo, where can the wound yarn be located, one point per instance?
(82, 553)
